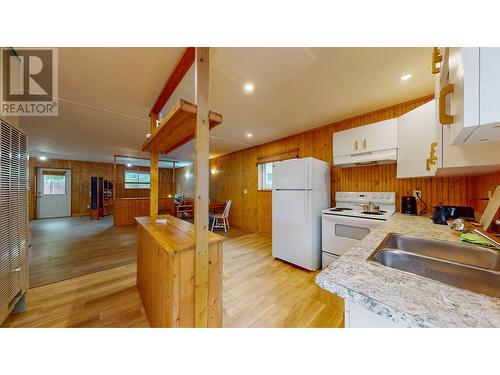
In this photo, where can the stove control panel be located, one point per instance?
(383, 197)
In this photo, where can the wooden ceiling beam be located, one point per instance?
(180, 70)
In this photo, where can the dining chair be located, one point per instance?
(222, 220)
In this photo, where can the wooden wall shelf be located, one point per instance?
(177, 128)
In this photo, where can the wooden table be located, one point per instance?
(166, 272)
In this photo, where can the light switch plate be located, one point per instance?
(245, 191)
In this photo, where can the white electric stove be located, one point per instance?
(344, 225)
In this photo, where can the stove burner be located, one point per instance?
(340, 209)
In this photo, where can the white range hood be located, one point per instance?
(369, 158)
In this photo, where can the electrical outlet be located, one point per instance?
(417, 193)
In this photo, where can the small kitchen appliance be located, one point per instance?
(409, 205)
(442, 214)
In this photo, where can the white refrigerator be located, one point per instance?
(301, 190)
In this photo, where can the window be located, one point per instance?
(265, 176)
(137, 180)
(54, 183)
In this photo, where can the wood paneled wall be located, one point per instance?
(237, 172)
(80, 184)
(81, 171)
(184, 181)
(127, 209)
(482, 185)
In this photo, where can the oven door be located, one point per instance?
(340, 233)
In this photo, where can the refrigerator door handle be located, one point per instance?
(305, 174)
(307, 205)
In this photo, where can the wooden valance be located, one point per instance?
(278, 157)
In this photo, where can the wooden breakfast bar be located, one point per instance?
(166, 272)
(179, 265)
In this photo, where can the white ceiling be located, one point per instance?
(106, 95)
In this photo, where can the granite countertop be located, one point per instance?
(401, 296)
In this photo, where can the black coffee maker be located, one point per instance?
(409, 205)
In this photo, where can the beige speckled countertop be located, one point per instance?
(401, 296)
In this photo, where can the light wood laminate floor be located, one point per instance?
(102, 299)
(259, 291)
(65, 248)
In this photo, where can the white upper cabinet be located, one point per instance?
(469, 94)
(425, 148)
(379, 136)
(373, 143)
(417, 142)
(489, 94)
(462, 149)
(346, 142)
(463, 102)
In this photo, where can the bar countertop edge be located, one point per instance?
(173, 234)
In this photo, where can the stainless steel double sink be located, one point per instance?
(464, 266)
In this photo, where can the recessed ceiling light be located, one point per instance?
(129, 165)
(405, 77)
(248, 87)
(249, 135)
(42, 158)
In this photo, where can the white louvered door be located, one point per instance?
(13, 215)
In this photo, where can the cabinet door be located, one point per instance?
(489, 85)
(464, 74)
(489, 97)
(346, 142)
(379, 136)
(416, 133)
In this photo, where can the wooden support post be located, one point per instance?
(201, 186)
(153, 190)
(114, 177)
(174, 188)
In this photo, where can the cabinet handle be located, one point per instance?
(432, 157)
(356, 145)
(436, 58)
(445, 118)
(364, 143)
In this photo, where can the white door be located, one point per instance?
(53, 193)
(292, 229)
